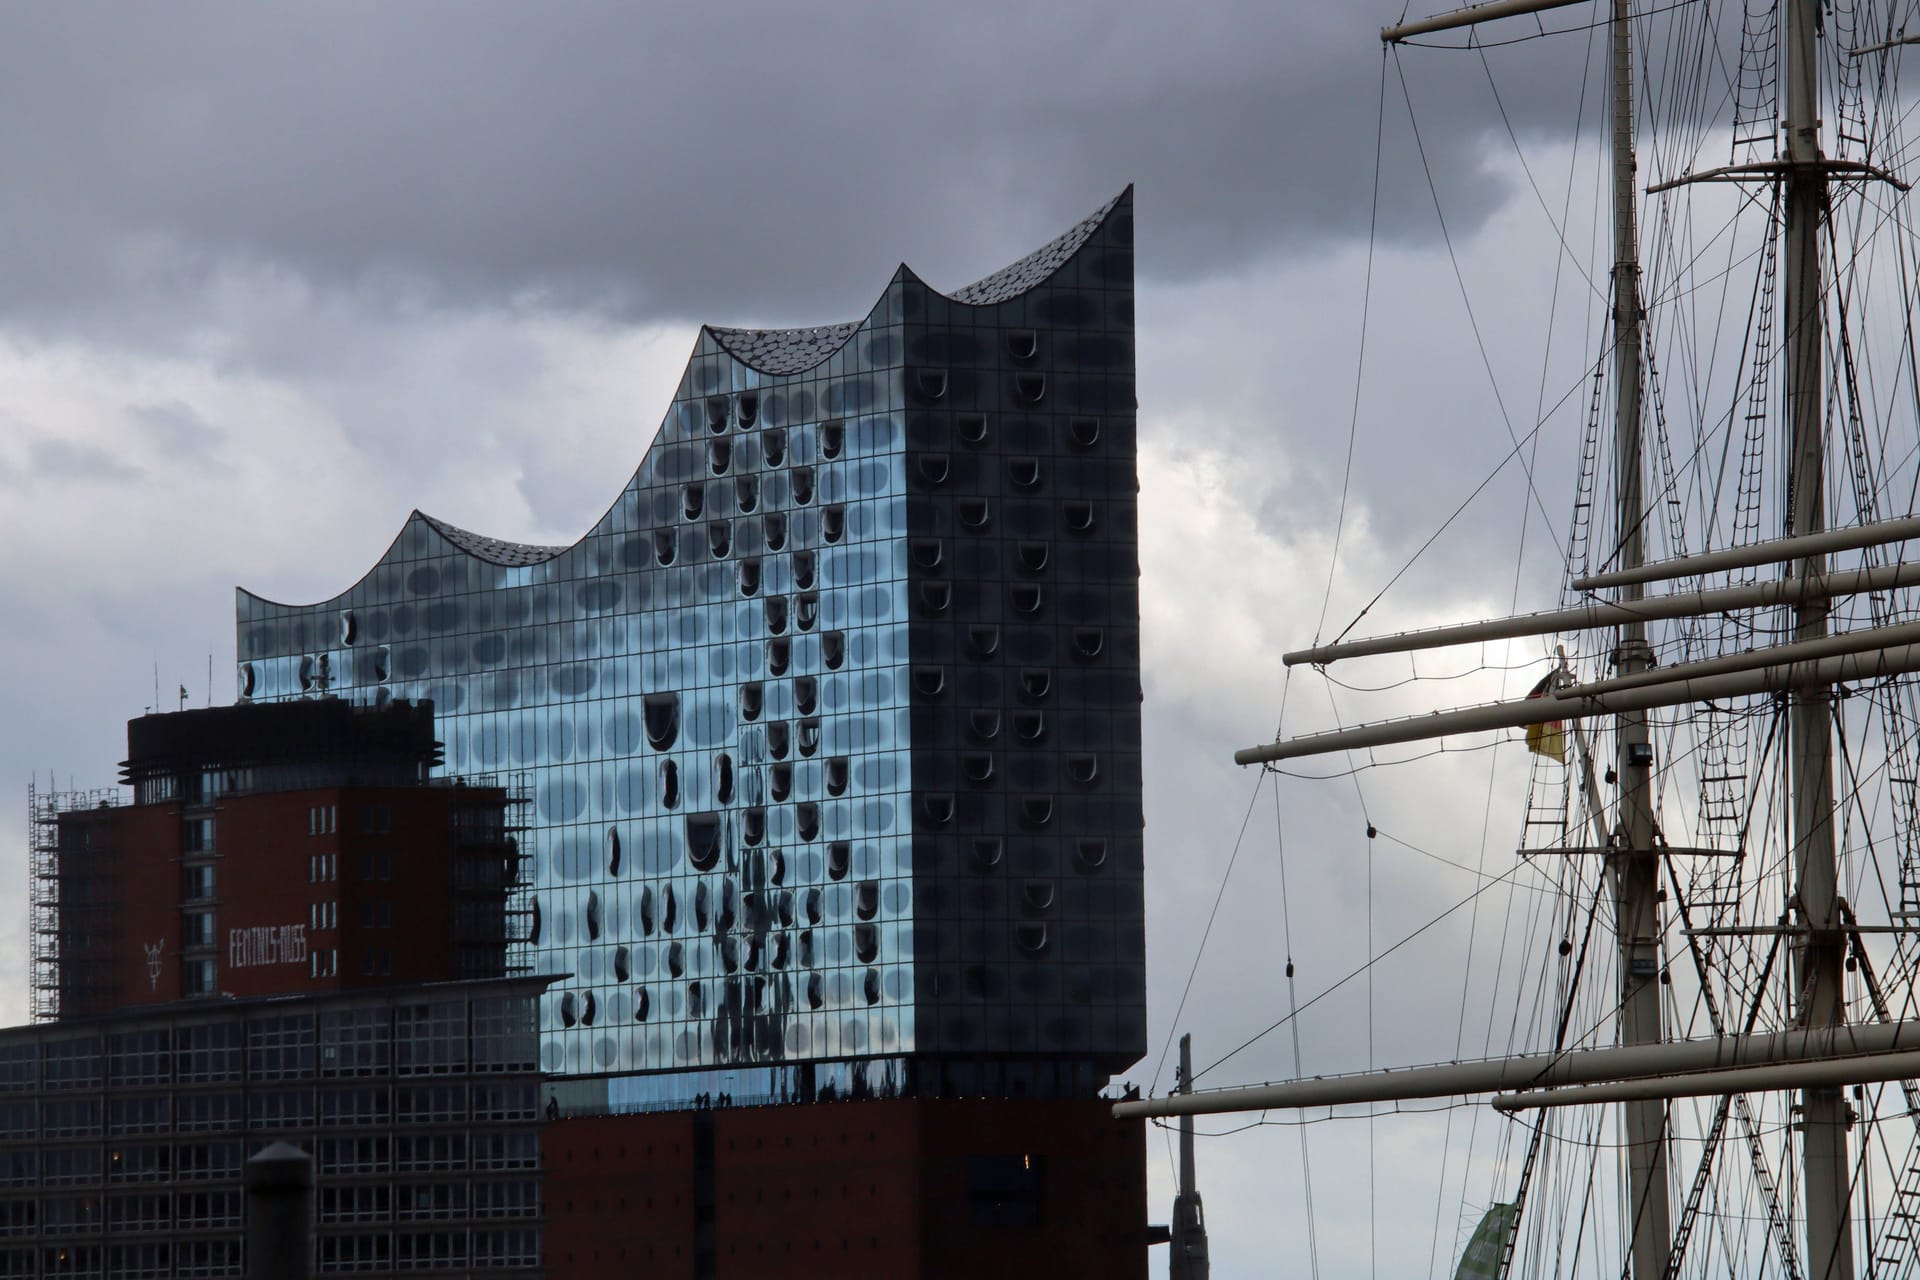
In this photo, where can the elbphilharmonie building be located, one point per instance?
(829, 728)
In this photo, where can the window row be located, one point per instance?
(388, 1153)
(419, 1202)
(426, 1038)
(429, 1250)
(142, 1260)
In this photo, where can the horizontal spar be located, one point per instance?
(1772, 551)
(1774, 655)
(1537, 1070)
(1676, 691)
(1468, 17)
(1869, 1068)
(1602, 613)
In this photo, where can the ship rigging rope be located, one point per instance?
(1526, 1120)
(1491, 882)
(1245, 820)
(1293, 1004)
(1519, 442)
(1327, 596)
(1694, 460)
(1500, 961)
(1571, 989)
(1360, 358)
(1460, 280)
(1478, 668)
(1588, 1034)
(1850, 797)
(1559, 225)
(1458, 511)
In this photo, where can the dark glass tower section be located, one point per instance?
(1023, 580)
(833, 720)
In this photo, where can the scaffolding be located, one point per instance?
(44, 808)
(520, 905)
(490, 873)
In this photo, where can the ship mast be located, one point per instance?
(1633, 861)
(1822, 1053)
(1820, 950)
(1633, 865)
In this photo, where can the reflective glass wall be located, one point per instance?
(751, 720)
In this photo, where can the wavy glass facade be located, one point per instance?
(832, 720)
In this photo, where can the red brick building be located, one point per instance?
(959, 1187)
(279, 849)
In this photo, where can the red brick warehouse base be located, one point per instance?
(886, 1189)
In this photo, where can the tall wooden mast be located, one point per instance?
(1820, 947)
(1633, 863)
(1806, 670)
(1633, 866)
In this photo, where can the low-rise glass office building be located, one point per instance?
(122, 1136)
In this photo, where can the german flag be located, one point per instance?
(1549, 737)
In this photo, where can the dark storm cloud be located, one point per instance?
(722, 161)
(353, 234)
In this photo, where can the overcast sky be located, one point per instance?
(272, 276)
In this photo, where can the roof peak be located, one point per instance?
(492, 550)
(780, 352)
(1036, 268)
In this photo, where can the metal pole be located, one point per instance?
(1839, 644)
(1599, 613)
(1634, 869)
(1188, 1256)
(1540, 1070)
(1873, 1068)
(1679, 688)
(1468, 16)
(1186, 1125)
(1878, 534)
(279, 1185)
(1819, 968)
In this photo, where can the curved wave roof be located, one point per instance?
(1011, 281)
(492, 550)
(789, 351)
(782, 352)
